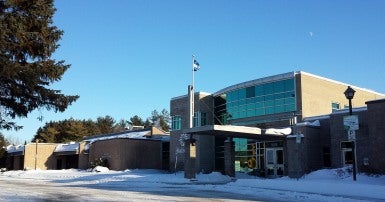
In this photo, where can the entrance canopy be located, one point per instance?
(234, 131)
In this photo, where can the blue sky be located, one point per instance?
(130, 57)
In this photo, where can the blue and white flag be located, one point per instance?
(196, 66)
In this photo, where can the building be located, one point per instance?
(126, 150)
(31, 156)
(277, 105)
(122, 151)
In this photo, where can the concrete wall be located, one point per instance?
(39, 156)
(128, 153)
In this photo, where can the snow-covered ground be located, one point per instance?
(322, 185)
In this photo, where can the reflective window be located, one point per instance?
(263, 99)
(199, 119)
(176, 123)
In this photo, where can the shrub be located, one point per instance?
(100, 162)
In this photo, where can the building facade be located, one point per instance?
(31, 156)
(126, 150)
(122, 151)
(275, 102)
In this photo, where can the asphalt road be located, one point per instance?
(43, 190)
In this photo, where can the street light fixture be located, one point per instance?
(349, 94)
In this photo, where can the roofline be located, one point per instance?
(112, 134)
(375, 101)
(288, 76)
(183, 96)
(257, 81)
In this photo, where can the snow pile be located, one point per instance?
(100, 169)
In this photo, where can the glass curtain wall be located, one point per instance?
(249, 156)
(262, 99)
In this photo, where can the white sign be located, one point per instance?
(351, 122)
(351, 135)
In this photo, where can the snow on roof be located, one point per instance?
(14, 149)
(315, 123)
(278, 131)
(140, 134)
(73, 146)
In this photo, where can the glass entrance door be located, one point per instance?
(274, 162)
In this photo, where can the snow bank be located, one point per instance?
(322, 185)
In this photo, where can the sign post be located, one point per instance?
(351, 125)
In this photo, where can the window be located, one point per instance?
(335, 106)
(262, 99)
(250, 92)
(176, 123)
(199, 119)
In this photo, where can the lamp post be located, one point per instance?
(349, 94)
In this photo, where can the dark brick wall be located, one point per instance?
(128, 153)
(205, 153)
(180, 106)
(376, 121)
(338, 134)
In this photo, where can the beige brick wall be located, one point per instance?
(83, 156)
(318, 94)
(39, 156)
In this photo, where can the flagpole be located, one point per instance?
(192, 94)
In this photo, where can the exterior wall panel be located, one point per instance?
(128, 153)
(180, 107)
(317, 95)
(376, 121)
(39, 155)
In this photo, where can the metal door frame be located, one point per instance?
(275, 166)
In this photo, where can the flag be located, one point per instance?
(196, 66)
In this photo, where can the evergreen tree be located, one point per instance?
(121, 126)
(147, 123)
(136, 121)
(28, 39)
(105, 124)
(161, 120)
(3, 152)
